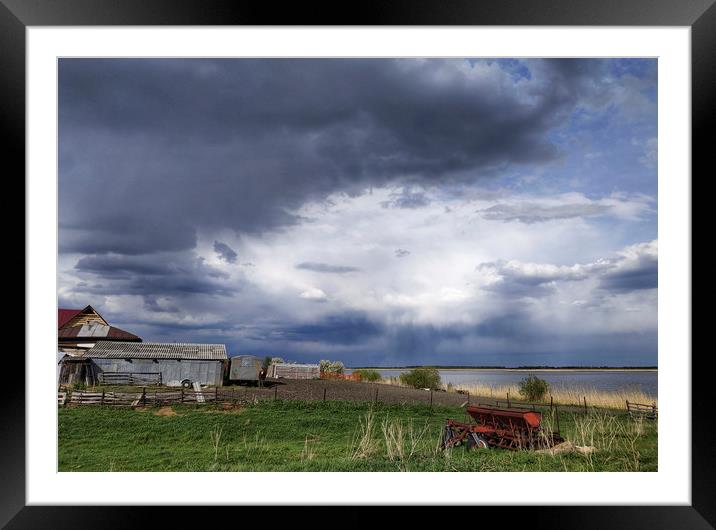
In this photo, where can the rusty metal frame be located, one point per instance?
(512, 429)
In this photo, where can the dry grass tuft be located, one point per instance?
(402, 441)
(215, 435)
(309, 447)
(364, 443)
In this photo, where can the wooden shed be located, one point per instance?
(144, 363)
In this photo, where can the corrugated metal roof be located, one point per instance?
(156, 350)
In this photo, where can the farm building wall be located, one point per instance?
(205, 372)
(74, 371)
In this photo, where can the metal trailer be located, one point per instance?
(246, 369)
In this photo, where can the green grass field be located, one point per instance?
(326, 436)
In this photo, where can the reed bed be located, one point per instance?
(565, 395)
(560, 395)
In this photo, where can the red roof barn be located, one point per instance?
(81, 328)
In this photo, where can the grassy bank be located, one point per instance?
(326, 436)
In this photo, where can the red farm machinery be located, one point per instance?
(512, 429)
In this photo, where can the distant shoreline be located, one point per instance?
(466, 368)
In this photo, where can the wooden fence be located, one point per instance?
(640, 410)
(154, 398)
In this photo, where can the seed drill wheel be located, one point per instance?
(448, 435)
(475, 441)
(186, 383)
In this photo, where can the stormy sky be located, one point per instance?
(376, 211)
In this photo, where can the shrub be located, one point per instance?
(266, 363)
(421, 378)
(334, 367)
(369, 375)
(533, 388)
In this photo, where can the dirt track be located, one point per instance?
(313, 390)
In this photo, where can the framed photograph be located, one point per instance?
(408, 257)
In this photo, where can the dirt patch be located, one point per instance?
(569, 447)
(335, 390)
(165, 411)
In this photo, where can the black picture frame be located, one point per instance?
(699, 15)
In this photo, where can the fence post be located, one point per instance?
(102, 401)
(508, 400)
(216, 394)
(550, 402)
(182, 395)
(585, 404)
(556, 414)
(376, 395)
(324, 394)
(468, 397)
(431, 399)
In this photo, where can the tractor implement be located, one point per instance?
(512, 429)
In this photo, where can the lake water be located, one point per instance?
(597, 379)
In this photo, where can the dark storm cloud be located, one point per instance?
(519, 279)
(345, 328)
(513, 339)
(155, 155)
(535, 213)
(407, 199)
(112, 231)
(515, 325)
(325, 267)
(420, 340)
(152, 150)
(634, 270)
(225, 252)
(151, 303)
(168, 274)
(643, 275)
